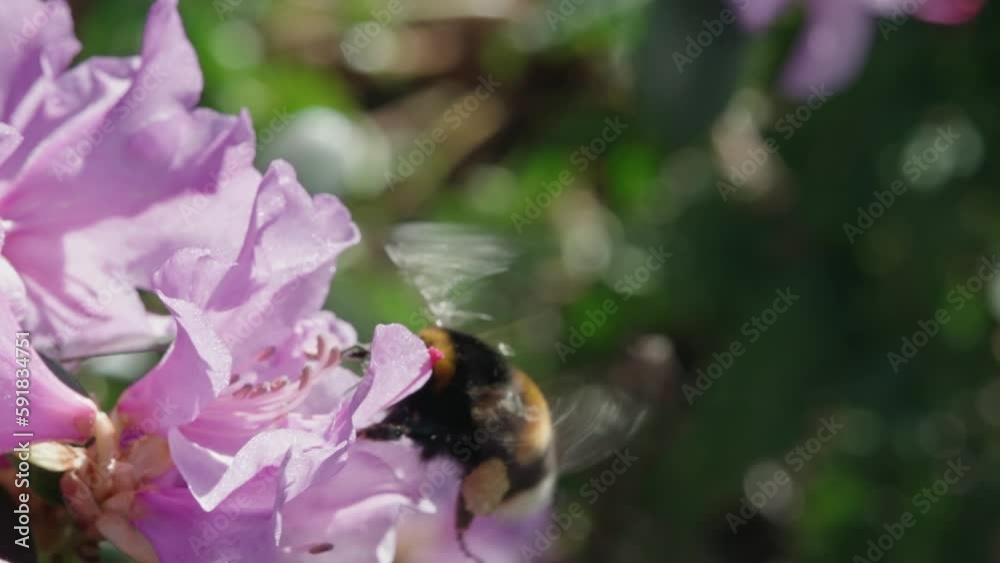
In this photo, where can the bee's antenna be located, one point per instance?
(460, 536)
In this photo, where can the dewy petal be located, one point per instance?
(229, 315)
(271, 395)
(37, 44)
(10, 139)
(194, 370)
(832, 48)
(357, 510)
(399, 365)
(54, 411)
(242, 529)
(116, 172)
(11, 284)
(12, 287)
(290, 250)
(282, 273)
(298, 457)
(240, 434)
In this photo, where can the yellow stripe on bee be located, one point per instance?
(485, 486)
(444, 369)
(537, 433)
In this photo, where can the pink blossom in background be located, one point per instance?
(833, 46)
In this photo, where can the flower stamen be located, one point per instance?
(100, 489)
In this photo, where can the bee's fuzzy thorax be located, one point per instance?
(445, 359)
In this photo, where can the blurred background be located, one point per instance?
(794, 279)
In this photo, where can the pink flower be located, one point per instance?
(51, 410)
(106, 169)
(832, 48)
(249, 419)
(240, 444)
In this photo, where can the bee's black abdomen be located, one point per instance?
(478, 363)
(475, 409)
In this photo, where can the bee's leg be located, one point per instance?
(383, 432)
(358, 352)
(463, 519)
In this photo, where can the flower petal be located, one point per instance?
(195, 368)
(399, 365)
(288, 254)
(272, 393)
(230, 315)
(757, 15)
(950, 12)
(242, 529)
(281, 275)
(356, 512)
(10, 139)
(832, 48)
(53, 410)
(81, 233)
(298, 456)
(38, 43)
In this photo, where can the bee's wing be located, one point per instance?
(528, 335)
(591, 422)
(448, 264)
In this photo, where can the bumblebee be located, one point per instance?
(491, 418)
(478, 409)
